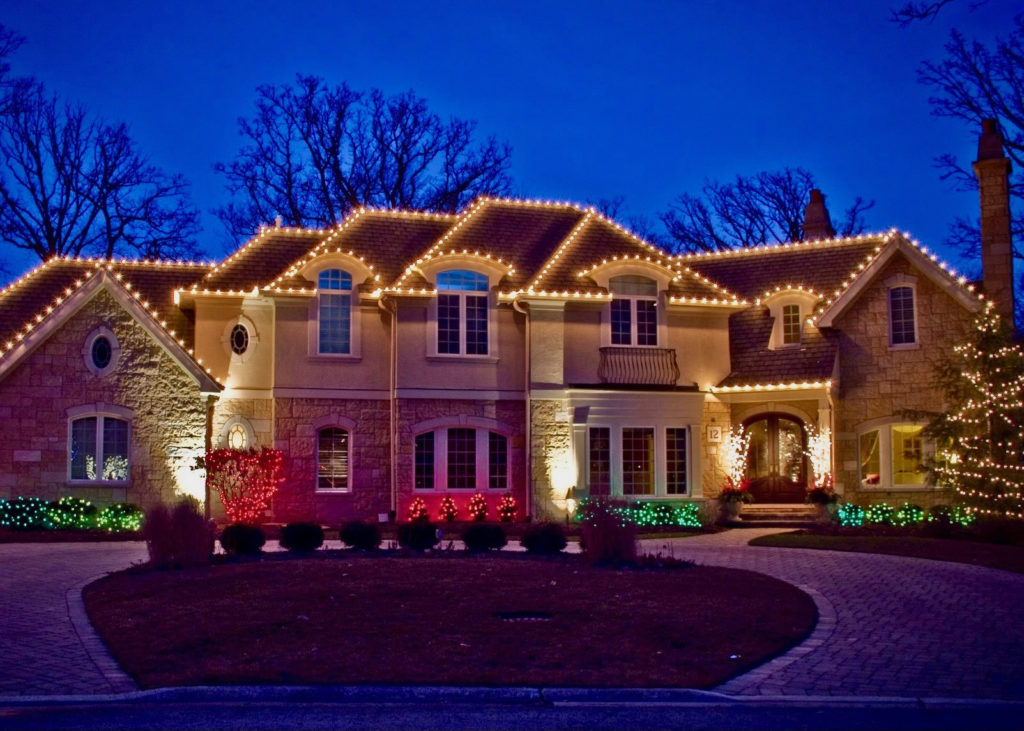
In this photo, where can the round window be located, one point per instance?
(239, 339)
(102, 352)
(237, 438)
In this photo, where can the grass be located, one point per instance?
(1008, 558)
(490, 620)
(65, 535)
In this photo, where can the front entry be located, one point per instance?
(776, 463)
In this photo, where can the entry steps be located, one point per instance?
(775, 515)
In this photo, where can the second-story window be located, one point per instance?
(634, 310)
(335, 311)
(461, 312)
(791, 325)
(902, 322)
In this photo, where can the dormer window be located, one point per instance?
(634, 310)
(335, 311)
(462, 312)
(902, 319)
(792, 326)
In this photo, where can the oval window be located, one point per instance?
(102, 352)
(239, 339)
(237, 438)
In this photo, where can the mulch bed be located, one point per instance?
(485, 620)
(1008, 558)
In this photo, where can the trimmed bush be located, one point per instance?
(607, 538)
(477, 507)
(879, 514)
(360, 535)
(418, 535)
(25, 513)
(850, 515)
(73, 513)
(908, 514)
(241, 539)
(120, 517)
(545, 539)
(482, 537)
(301, 537)
(177, 538)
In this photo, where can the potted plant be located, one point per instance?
(736, 488)
(733, 497)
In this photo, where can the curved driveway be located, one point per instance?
(889, 626)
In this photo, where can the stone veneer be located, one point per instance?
(551, 445)
(296, 423)
(879, 382)
(168, 424)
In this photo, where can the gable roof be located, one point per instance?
(260, 259)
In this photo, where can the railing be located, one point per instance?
(638, 366)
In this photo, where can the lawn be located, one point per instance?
(489, 620)
(1008, 558)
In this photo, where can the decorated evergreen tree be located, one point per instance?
(981, 434)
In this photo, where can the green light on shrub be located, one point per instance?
(908, 514)
(120, 517)
(850, 515)
(73, 513)
(25, 513)
(879, 514)
(648, 514)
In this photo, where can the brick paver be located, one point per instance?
(892, 626)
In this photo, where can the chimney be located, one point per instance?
(817, 223)
(992, 169)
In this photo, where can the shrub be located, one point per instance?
(302, 536)
(546, 539)
(850, 515)
(908, 514)
(993, 529)
(507, 509)
(177, 538)
(244, 479)
(242, 539)
(417, 535)
(447, 512)
(880, 514)
(606, 537)
(477, 507)
(484, 537)
(360, 536)
(25, 513)
(73, 513)
(418, 510)
(120, 517)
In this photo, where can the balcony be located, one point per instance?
(638, 366)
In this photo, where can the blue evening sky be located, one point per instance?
(598, 99)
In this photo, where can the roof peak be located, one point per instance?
(790, 246)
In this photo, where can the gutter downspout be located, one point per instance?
(527, 390)
(391, 307)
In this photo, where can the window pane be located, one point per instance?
(901, 315)
(448, 323)
(476, 325)
(424, 477)
(332, 459)
(870, 462)
(637, 461)
(907, 456)
(461, 459)
(334, 279)
(462, 280)
(497, 461)
(83, 449)
(646, 322)
(335, 322)
(791, 325)
(600, 461)
(633, 284)
(621, 322)
(790, 445)
(115, 449)
(675, 461)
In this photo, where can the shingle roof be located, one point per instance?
(261, 259)
(753, 363)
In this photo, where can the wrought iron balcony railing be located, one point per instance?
(638, 366)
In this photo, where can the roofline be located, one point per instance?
(785, 247)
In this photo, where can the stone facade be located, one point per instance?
(167, 422)
(554, 468)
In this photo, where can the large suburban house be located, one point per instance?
(523, 348)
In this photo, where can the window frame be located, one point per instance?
(348, 431)
(100, 412)
(482, 475)
(615, 460)
(321, 294)
(886, 457)
(789, 323)
(633, 308)
(461, 296)
(909, 287)
(115, 351)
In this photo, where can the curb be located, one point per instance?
(119, 681)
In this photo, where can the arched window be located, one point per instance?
(462, 312)
(335, 311)
(98, 448)
(902, 318)
(332, 459)
(634, 310)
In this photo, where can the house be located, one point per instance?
(520, 348)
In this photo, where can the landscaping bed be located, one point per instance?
(487, 620)
(888, 541)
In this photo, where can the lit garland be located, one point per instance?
(447, 510)
(477, 508)
(25, 513)
(120, 517)
(73, 512)
(648, 514)
(245, 480)
(507, 509)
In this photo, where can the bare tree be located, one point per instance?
(313, 152)
(763, 208)
(614, 209)
(913, 11)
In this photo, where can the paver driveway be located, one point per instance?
(889, 626)
(40, 651)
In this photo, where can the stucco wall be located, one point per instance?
(168, 423)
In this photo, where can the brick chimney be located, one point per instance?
(992, 169)
(817, 223)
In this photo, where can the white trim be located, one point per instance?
(886, 483)
(334, 421)
(354, 317)
(250, 433)
(482, 428)
(338, 393)
(902, 281)
(99, 411)
(617, 472)
(463, 394)
(253, 333)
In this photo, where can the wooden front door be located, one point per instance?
(776, 464)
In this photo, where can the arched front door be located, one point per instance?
(776, 464)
